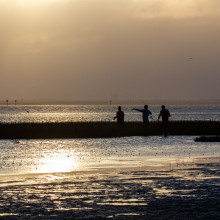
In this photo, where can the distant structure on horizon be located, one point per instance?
(112, 102)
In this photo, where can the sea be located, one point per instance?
(70, 155)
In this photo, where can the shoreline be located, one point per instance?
(172, 164)
(168, 165)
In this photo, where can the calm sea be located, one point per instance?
(47, 156)
(69, 113)
(67, 155)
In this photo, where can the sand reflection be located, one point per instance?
(59, 162)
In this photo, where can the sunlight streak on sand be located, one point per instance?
(57, 163)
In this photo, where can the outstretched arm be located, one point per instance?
(139, 110)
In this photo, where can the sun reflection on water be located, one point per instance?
(59, 162)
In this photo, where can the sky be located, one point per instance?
(109, 49)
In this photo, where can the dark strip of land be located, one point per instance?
(208, 139)
(104, 129)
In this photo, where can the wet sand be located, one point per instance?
(175, 191)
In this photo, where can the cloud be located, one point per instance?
(176, 9)
(75, 49)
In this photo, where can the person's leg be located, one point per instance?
(145, 123)
(165, 127)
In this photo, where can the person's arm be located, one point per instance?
(159, 116)
(116, 116)
(139, 110)
(169, 114)
(150, 113)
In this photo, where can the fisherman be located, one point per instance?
(165, 114)
(146, 112)
(120, 116)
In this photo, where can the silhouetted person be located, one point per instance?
(120, 116)
(165, 114)
(145, 115)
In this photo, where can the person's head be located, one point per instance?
(163, 106)
(146, 106)
(119, 108)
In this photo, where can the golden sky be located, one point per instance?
(107, 49)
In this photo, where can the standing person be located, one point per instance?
(165, 114)
(145, 115)
(120, 116)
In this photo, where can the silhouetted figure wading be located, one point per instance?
(120, 116)
(165, 114)
(145, 115)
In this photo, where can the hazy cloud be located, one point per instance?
(176, 9)
(106, 48)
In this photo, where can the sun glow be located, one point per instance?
(57, 163)
(35, 2)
